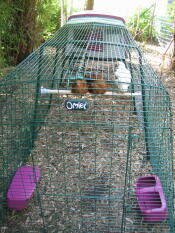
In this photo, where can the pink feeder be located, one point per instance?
(151, 199)
(22, 187)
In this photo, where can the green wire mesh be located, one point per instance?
(90, 159)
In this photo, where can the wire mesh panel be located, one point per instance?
(87, 109)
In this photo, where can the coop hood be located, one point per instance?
(95, 16)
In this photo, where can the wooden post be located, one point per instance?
(152, 23)
(89, 5)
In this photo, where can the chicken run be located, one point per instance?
(86, 135)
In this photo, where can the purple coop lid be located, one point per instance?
(95, 14)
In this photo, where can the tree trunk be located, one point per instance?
(62, 13)
(71, 7)
(89, 5)
(137, 29)
(23, 30)
(151, 25)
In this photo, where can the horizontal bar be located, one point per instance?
(64, 92)
(101, 42)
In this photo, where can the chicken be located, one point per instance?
(96, 84)
(123, 76)
(79, 86)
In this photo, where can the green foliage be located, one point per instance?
(13, 30)
(48, 18)
(171, 30)
(141, 25)
(22, 30)
(170, 18)
(25, 24)
(6, 23)
(171, 10)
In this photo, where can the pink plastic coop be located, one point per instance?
(97, 41)
(22, 187)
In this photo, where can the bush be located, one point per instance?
(6, 19)
(141, 25)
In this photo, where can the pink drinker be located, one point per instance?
(22, 187)
(151, 198)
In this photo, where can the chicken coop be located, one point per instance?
(92, 121)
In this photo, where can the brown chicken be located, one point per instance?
(97, 85)
(80, 87)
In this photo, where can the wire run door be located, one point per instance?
(84, 162)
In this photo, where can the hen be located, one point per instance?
(96, 84)
(123, 76)
(79, 87)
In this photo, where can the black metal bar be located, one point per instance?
(129, 146)
(37, 94)
(144, 105)
(54, 71)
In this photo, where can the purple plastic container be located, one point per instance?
(151, 199)
(22, 187)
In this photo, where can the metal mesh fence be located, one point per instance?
(165, 30)
(90, 147)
